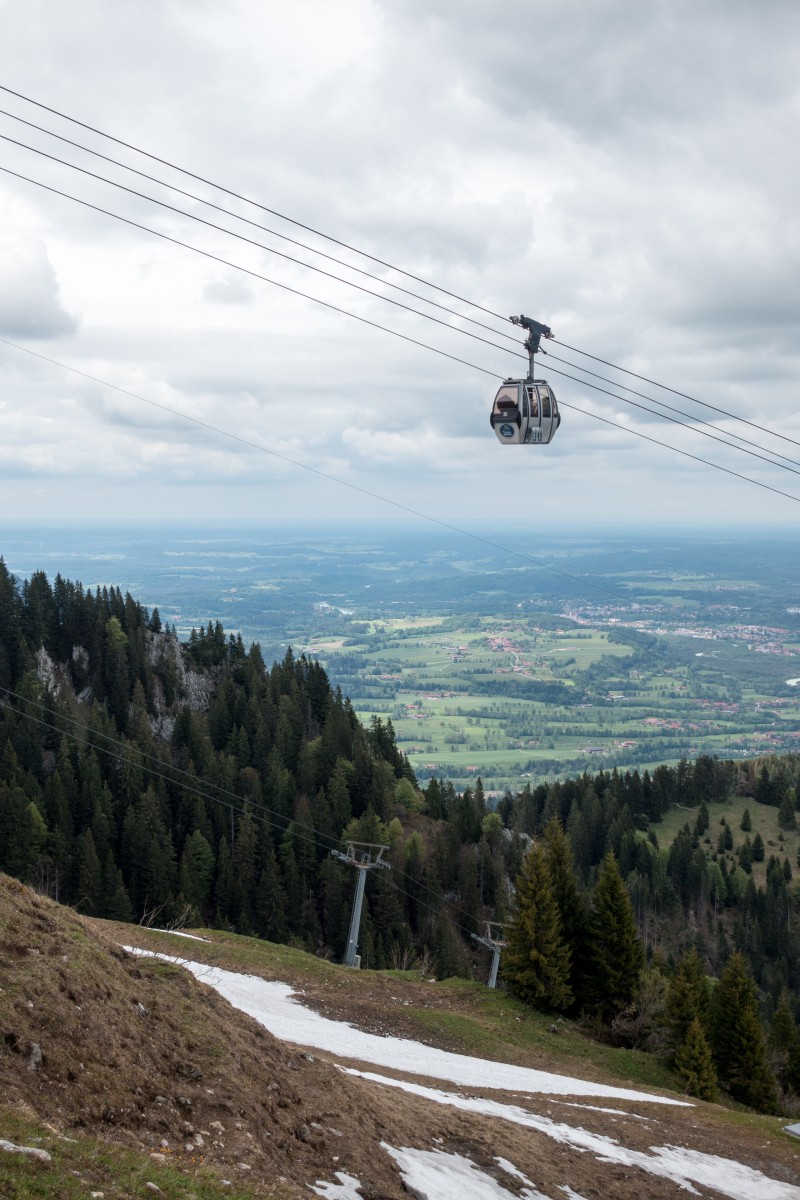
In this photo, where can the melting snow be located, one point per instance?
(435, 1175)
(273, 1006)
(179, 933)
(347, 1188)
(682, 1166)
(451, 1176)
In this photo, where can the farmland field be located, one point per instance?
(565, 655)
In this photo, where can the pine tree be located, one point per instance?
(615, 953)
(747, 822)
(737, 1039)
(537, 960)
(695, 1065)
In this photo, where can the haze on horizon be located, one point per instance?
(627, 174)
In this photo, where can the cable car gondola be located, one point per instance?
(525, 412)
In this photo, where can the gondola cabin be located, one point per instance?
(525, 413)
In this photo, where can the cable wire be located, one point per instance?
(684, 425)
(255, 224)
(585, 581)
(407, 338)
(250, 241)
(670, 408)
(131, 753)
(254, 203)
(684, 395)
(245, 270)
(744, 449)
(253, 445)
(353, 249)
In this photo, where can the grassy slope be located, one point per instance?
(116, 1082)
(138, 1056)
(457, 1014)
(764, 818)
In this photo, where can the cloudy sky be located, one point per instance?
(626, 172)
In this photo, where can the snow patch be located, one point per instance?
(435, 1175)
(676, 1163)
(273, 1006)
(347, 1188)
(450, 1176)
(180, 933)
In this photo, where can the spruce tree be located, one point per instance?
(783, 1044)
(616, 956)
(196, 871)
(119, 905)
(786, 810)
(737, 1037)
(701, 824)
(271, 900)
(688, 999)
(571, 905)
(537, 960)
(89, 884)
(695, 1065)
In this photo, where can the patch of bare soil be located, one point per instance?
(142, 1053)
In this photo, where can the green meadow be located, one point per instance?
(520, 699)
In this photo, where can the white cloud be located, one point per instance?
(30, 304)
(625, 172)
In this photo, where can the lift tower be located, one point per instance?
(495, 942)
(364, 856)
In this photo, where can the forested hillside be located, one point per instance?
(149, 778)
(143, 779)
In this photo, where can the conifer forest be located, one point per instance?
(192, 783)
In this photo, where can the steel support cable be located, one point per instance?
(375, 325)
(375, 295)
(784, 437)
(256, 225)
(311, 267)
(254, 203)
(240, 237)
(714, 437)
(381, 262)
(680, 411)
(246, 271)
(259, 813)
(138, 757)
(253, 445)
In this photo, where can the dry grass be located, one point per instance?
(138, 1053)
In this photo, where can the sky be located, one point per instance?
(626, 173)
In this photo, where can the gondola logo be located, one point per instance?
(507, 430)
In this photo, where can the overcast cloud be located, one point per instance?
(626, 172)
